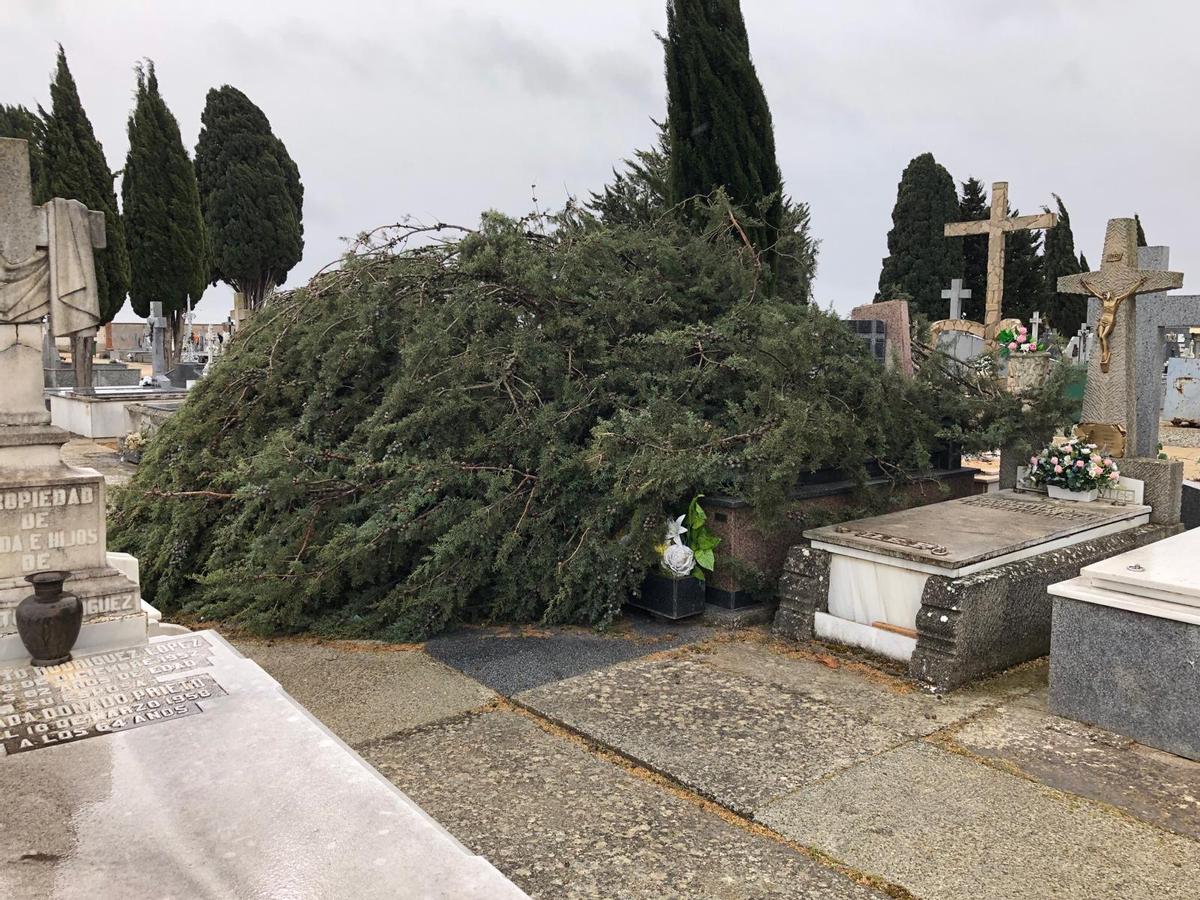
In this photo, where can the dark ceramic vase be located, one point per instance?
(49, 619)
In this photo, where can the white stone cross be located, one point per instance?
(1035, 320)
(995, 228)
(956, 294)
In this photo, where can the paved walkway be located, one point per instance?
(691, 762)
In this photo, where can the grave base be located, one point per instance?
(102, 414)
(1126, 671)
(969, 626)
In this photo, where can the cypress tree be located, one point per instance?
(1141, 235)
(721, 134)
(974, 206)
(19, 122)
(75, 168)
(250, 195)
(1067, 311)
(1083, 263)
(1024, 281)
(162, 209)
(921, 260)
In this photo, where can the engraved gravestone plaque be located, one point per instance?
(104, 693)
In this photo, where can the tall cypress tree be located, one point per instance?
(921, 260)
(721, 134)
(1141, 235)
(75, 168)
(1066, 311)
(250, 195)
(19, 122)
(165, 230)
(1083, 263)
(974, 206)
(1024, 281)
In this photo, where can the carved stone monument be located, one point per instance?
(1110, 402)
(52, 516)
(995, 227)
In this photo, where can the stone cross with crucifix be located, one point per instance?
(1110, 399)
(995, 228)
(46, 268)
(956, 294)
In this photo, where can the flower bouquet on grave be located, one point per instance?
(676, 589)
(1073, 470)
(1017, 340)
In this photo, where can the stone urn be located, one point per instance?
(1027, 372)
(49, 619)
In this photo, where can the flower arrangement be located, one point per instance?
(1017, 340)
(1073, 465)
(680, 559)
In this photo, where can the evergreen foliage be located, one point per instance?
(1024, 281)
(165, 230)
(1067, 312)
(19, 122)
(495, 428)
(640, 194)
(75, 168)
(972, 207)
(250, 195)
(921, 260)
(1141, 235)
(721, 134)
(1083, 263)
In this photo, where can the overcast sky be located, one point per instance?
(442, 109)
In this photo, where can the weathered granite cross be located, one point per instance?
(995, 228)
(956, 294)
(46, 267)
(1035, 320)
(1110, 400)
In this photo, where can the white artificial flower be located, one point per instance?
(675, 531)
(678, 559)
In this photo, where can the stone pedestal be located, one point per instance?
(21, 363)
(1126, 635)
(52, 516)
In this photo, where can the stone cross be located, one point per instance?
(1110, 401)
(956, 294)
(45, 264)
(158, 335)
(995, 228)
(1035, 320)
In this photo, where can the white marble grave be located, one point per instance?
(179, 768)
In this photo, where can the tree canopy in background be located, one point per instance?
(250, 195)
(1067, 312)
(972, 207)
(19, 122)
(721, 135)
(75, 168)
(921, 260)
(164, 227)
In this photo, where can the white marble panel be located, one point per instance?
(884, 643)
(1165, 570)
(867, 591)
(1080, 589)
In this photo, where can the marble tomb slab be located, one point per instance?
(959, 537)
(181, 769)
(1167, 571)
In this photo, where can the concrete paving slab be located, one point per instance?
(1156, 787)
(946, 827)
(563, 823)
(510, 660)
(736, 739)
(364, 691)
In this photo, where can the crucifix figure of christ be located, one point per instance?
(46, 267)
(995, 228)
(1110, 399)
(956, 294)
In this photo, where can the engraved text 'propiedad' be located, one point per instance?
(38, 525)
(104, 693)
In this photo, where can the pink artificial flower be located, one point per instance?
(1054, 460)
(1079, 464)
(1108, 461)
(1058, 470)
(1012, 345)
(1022, 329)
(1095, 471)
(1033, 460)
